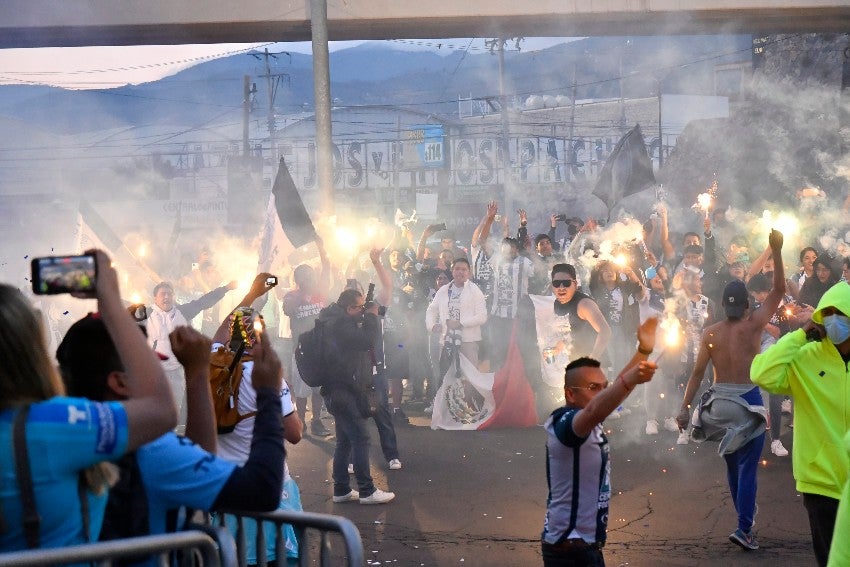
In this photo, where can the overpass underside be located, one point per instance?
(39, 23)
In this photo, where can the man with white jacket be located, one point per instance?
(163, 317)
(459, 307)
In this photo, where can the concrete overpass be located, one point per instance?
(40, 23)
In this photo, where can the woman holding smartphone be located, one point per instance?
(57, 438)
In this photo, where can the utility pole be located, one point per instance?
(498, 46)
(322, 99)
(844, 101)
(622, 96)
(246, 112)
(572, 143)
(272, 84)
(660, 132)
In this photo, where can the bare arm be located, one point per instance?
(482, 231)
(762, 315)
(575, 246)
(420, 249)
(667, 249)
(637, 371)
(697, 373)
(386, 294)
(150, 408)
(258, 289)
(192, 350)
(758, 263)
(292, 427)
(589, 311)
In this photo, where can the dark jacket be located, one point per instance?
(348, 338)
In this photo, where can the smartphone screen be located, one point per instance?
(63, 274)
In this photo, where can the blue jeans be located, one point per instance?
(741, 469)
(384, 420)
(352, 438)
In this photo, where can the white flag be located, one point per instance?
(275, 247)
(465, 402)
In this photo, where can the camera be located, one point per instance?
(63, 274)
(438, 227)
(370, 296)
(271, 281)
(561, 217)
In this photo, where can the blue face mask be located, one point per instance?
(837, 328)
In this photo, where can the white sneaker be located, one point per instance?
(394, 464)
(352, 496)
(377, 497)
(350, 468)
(778, 449)
(652, 427)
(786, 405)
(671, 425)
(683, 438)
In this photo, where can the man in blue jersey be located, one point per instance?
(577, 466)
(163, 478)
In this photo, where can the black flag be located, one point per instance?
(626, 171)
(293, 215)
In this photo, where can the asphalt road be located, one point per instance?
(477, 498)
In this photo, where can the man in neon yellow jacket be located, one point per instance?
(810, 364)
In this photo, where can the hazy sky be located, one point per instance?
(105, 67)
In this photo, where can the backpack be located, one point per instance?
(225, 378)
(310, 356)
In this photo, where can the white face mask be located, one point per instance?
(837, 328)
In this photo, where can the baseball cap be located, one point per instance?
(735, 298)
(651, 272)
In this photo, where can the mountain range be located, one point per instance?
(372, 74)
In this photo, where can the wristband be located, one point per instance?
(623, 382)
(644, 351)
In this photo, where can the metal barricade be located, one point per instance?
(202, 546)
(301, 522)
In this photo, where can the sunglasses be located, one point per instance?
(562, 283)
(594, 387)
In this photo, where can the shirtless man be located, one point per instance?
(732, 412)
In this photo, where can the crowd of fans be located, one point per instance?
(436, 299)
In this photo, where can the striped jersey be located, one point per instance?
(578, 473)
